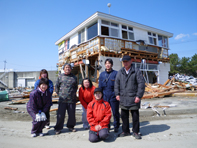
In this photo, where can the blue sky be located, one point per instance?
(30, 28)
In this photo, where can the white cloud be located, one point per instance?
(195, 33)
(180, 36)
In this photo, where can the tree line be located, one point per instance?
(184, 65)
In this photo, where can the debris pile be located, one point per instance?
(186, 79)
(159, 90)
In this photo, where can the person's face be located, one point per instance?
(43, 75)
(98, 95)
(108, 65)
(67, 69)
(127, 64)
(86, 83)
(43, 87)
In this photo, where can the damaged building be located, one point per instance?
(103, 35)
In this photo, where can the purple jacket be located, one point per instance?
(39, 101)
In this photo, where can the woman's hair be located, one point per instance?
(43, 81)
(109, 60)
(44, 71)
(89, 82)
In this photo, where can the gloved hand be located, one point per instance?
(38, 117)
(43, 116)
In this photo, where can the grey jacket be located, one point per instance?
(130, 86)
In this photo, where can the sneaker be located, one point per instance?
(115, 129)
(72, 129)
(57, 132)
(137, 136)
(47, 127)
(41, 134)
(33, 135)
(124, 134)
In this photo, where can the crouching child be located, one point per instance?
(37, 106)
(98, 116)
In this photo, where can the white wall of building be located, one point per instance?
(140, 35)
(74, 39)
(164, 69)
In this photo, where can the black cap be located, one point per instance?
(126, 58)
(98, 90)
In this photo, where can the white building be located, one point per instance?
(104, 35)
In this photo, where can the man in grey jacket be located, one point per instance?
(129, 89)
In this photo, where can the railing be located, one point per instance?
(105, 44)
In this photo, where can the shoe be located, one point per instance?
(33, 135)
(41, 134)
(124, 134)
(57, 132)
(72, 129)
(115, 129)
(137, 136)
(47, 127)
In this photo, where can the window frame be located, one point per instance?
(152, 36)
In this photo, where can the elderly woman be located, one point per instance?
(38, 105)
(86, 95)
(98, 116)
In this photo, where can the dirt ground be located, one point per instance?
(173, 130)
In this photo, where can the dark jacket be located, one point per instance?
(66, 87)
(39, 101)
(106, 83)
(130, 86)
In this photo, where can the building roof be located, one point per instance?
(115, 19)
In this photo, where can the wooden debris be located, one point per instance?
(10, 108)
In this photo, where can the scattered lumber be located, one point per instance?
(159, 90)
(10, 108)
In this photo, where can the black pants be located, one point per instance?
(125, 120)
(115, 110)
(95, 136)
(48, 117)
(70, 107)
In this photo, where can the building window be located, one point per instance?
(105, 22)
(68, 44)
(109, 28)
(127, 32)
(114, 32)
(124, 34)
(124, 27)
(163, 41)
(105, 30)
(81, 36)
(92, 31)
(131, 35)
(152, 38)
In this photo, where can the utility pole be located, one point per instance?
(5, 65)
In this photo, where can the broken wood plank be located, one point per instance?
(10, 108)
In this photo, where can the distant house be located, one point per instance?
(102, 36)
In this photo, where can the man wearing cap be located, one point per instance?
(129, 89)
(98, 116)
(106, 83)
(66, 87)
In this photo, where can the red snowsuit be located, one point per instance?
(98, 113)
